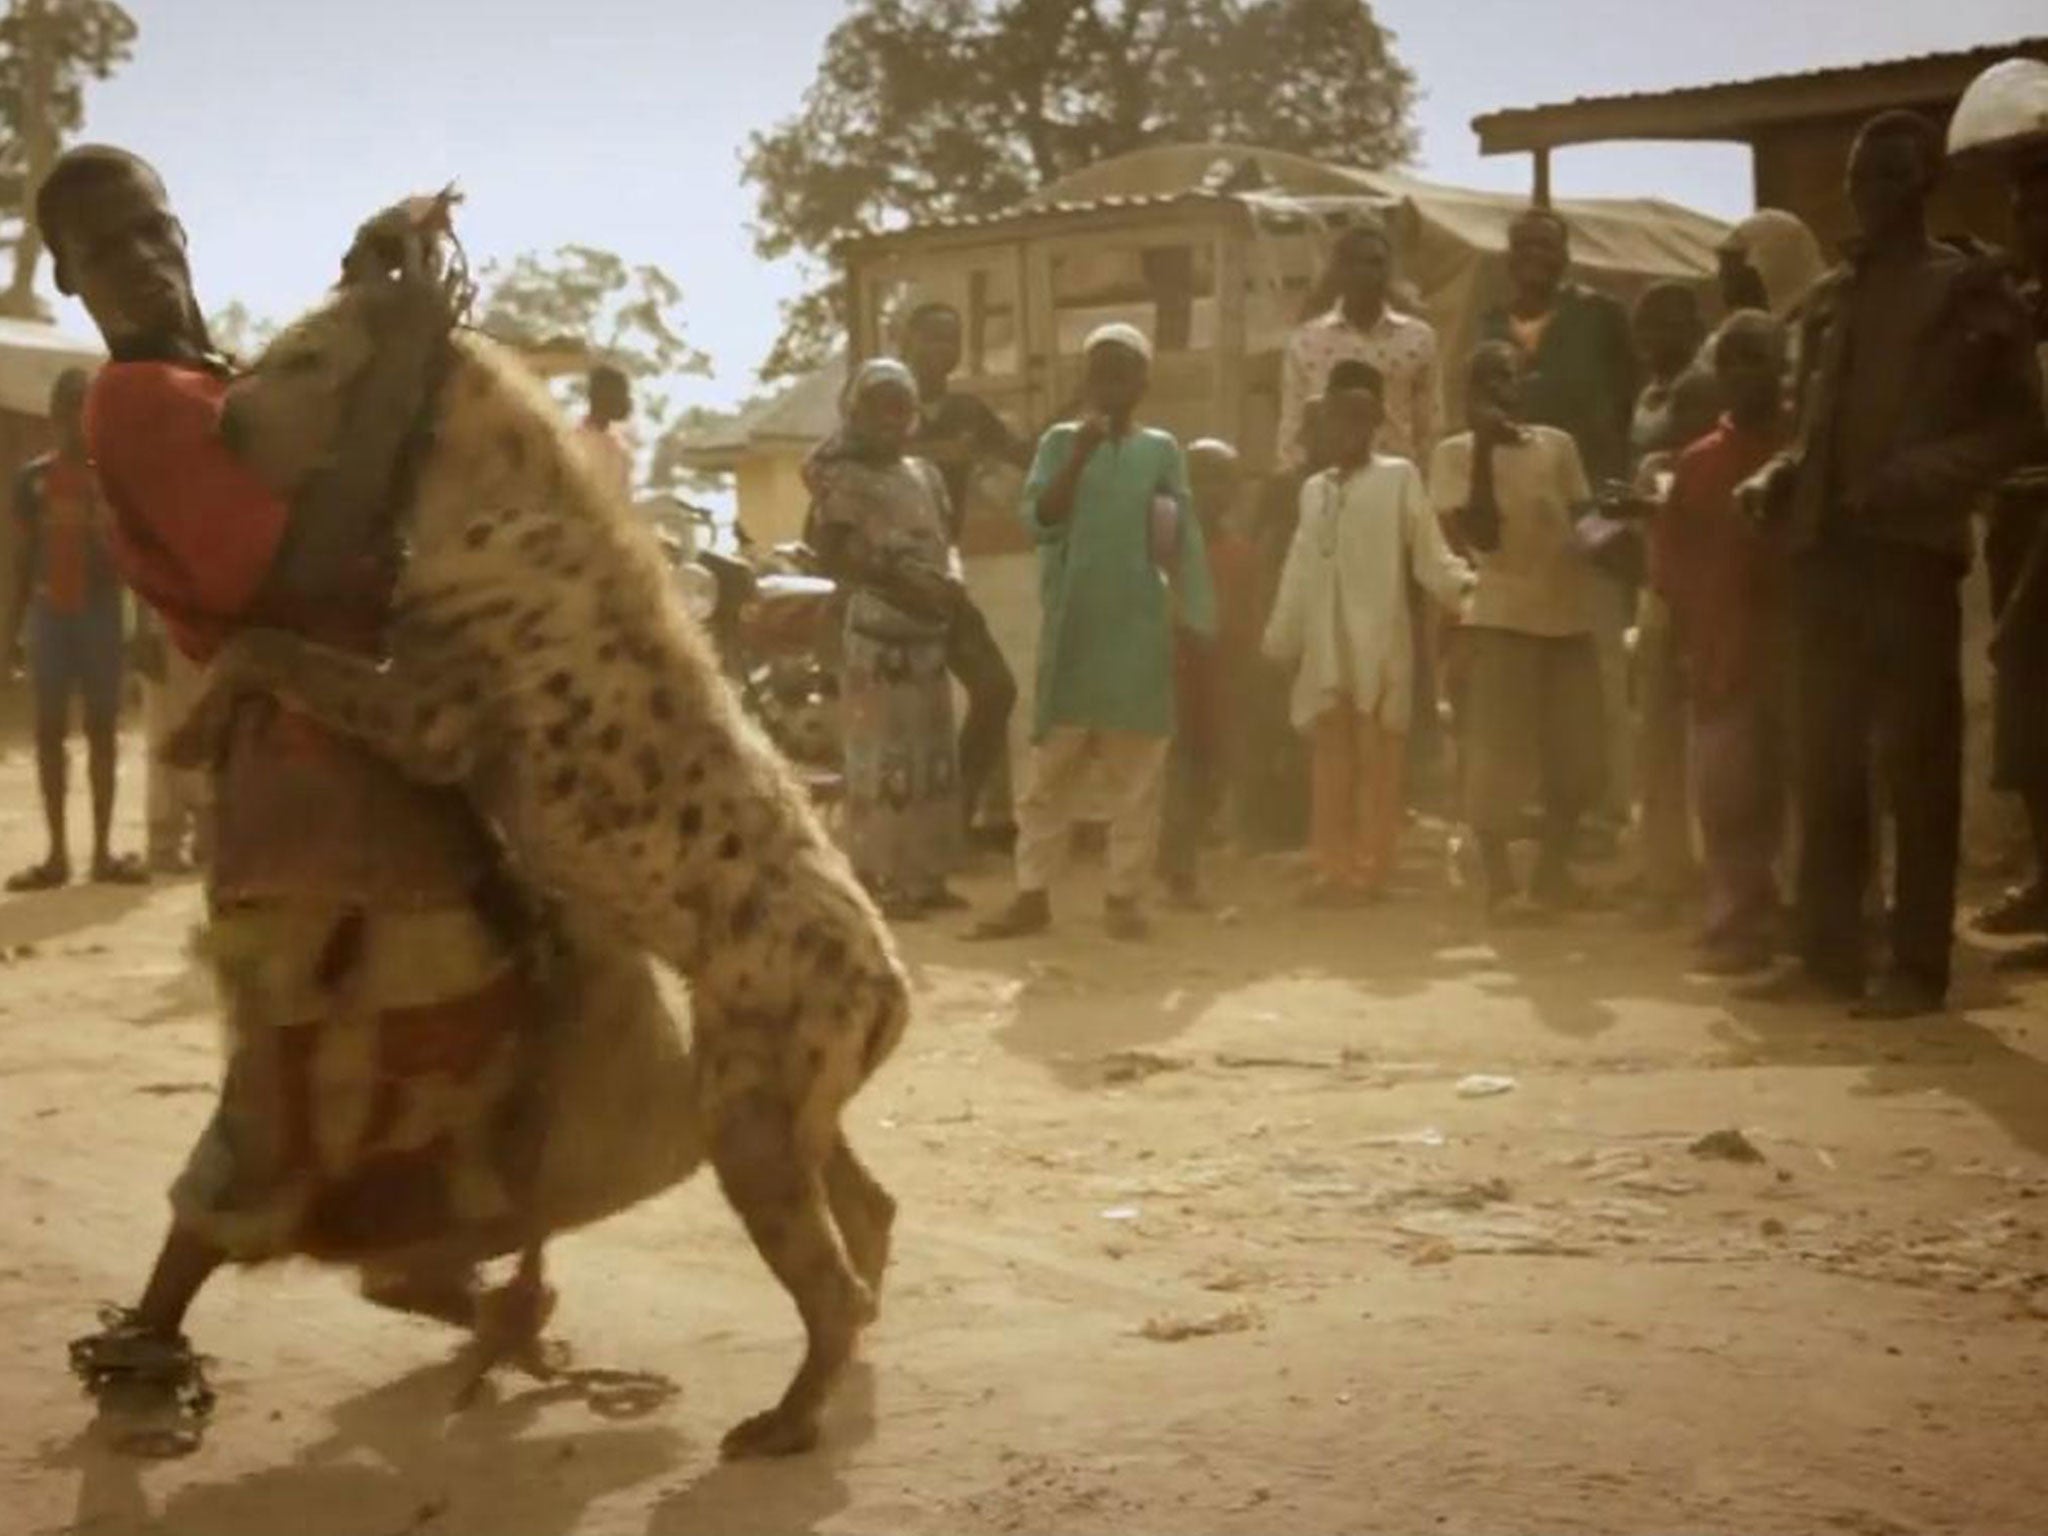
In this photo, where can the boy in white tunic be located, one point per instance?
(1342, 620)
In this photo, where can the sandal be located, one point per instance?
(46, 876)
(150, 1386)
(119, 869)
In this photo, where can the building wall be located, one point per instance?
(1005, 587)
(772, 499)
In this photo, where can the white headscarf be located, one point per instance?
(1117, 334)
(873, 374)
(1784, 252)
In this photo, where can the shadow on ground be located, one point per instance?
(1958, 1053)
(397, 1461)
(43, 917)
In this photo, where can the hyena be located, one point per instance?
(538, 656)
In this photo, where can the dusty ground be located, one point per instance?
(1534, 1311)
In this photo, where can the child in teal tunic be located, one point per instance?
(1105, 695)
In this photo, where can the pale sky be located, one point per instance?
(618, 123)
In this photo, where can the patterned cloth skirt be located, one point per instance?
(903, 815)
(403, 1093)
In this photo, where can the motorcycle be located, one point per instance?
(774, 620)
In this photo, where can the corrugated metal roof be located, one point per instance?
(1510, 128)
(805, 412)
(1023, 212)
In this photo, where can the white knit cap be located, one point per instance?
(1118, 334)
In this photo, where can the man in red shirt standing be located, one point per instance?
(67, 592)
(1723, 577)
(379, 1105)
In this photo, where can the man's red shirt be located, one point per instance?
(62, 520)
(1721, 574)
(302, 812)
(195, 531)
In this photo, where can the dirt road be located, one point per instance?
(1211, 1237)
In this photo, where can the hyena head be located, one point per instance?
(285, 417)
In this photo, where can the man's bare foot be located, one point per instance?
(53, 872)
(118, 869)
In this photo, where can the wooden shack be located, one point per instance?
(32, 356)
(1797, 127)
(1215, 252)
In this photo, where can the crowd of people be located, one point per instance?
(1684, 589)
(1778, 510)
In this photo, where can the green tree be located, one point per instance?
(931, 108)
(49, 50)
(239, 331)
(667, 471)
(584, 300)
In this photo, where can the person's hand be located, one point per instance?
(1492, 427)
(1624, 501)
(930, 591)
(1092, 433)
(1762, 496)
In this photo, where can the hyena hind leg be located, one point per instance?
(864, 1212)
(777, 1188)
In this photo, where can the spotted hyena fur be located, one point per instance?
(537, 655)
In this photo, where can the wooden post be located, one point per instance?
(857, 348)
(1040, 331)
(1227, 413)
(1540, 195)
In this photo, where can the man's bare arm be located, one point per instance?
(1056, 502)
(21, 571)
(1478, 521)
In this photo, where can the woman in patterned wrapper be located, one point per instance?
(880, 523)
